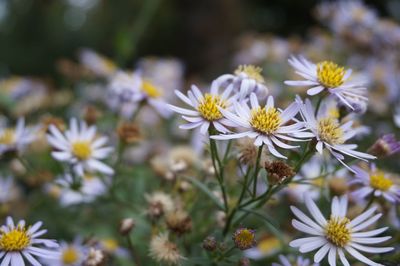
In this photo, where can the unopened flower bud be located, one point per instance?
(210, 243)
(126, 226)
(244, 238)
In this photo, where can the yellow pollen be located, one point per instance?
(330, 131)
(151, 90)
(7, 137)
(265, 120)
(81, 149)
(337, 232)
(330, 74)
(208, 107)
(253, 72)
(70, 255)
(378, 181)
(15, 240)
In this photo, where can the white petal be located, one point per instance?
(343, 258)
(314, 210)
(315, 90)
(305, 228)
(321, 253)
(361, 257)
(367, 223)
(332, 256)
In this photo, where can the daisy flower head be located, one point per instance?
(266, 124)
(206, 109)
(8, 189)
(246, 79)
(164, 251)
(20, 244)
(330, 77)
(338, 234)
(299, 261)
(16, 139)
(330, 133)
(376, 182)
(80, 147)
(96, 63)
(70, 254)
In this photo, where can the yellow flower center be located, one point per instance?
(337, 232)
(378, 181)
(265, 120)
(330, 131)
(70, 255)
(244, 238)
(151, 90)
(268, 245)
(15, 240)
(208, 107)
(7, 137)
(110, 244)
(82, 149)
(251, 71)
(330, 74)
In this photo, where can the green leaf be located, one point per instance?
(206, 191)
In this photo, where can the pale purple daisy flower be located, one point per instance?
(375, 182)
(20, 244)
(266, 124)
(338, 234)
(80, 147)
(70, 254)
(330, 77)
(16, 139)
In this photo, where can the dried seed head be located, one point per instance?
(278, 171)
(178, 222)
(210, 243)
(91, 115)
(126, 226)
(129, 133)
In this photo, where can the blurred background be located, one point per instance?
(35, 34)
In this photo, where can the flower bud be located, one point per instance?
(244, 238)
(126, 226)
(210, 243)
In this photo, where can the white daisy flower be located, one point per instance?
(300, 261)
(98, 64)
(337, 234)
(90, 188)
(266, 124)
(70, 254)
(247, 79)
(330, 134)
(206, 108)
(330, 77)
(8, 190)
(80, 147)
(375, 182)
(16, 139)
(20, 244)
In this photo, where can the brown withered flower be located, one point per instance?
(129, 133)
(91, 114)
(278, 171)
(178, 222)
(53, 120)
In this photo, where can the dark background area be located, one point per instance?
(34, 34)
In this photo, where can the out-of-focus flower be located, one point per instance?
(278, 171)
(338, 234)
(247, 152)
(19, 242)
(70, 254)
(80, 147)
(265, 246)
(385, 146)
(330, 77)
(164, 251)
(110, 246)
(330, 134)
(244, 238)
(376, 182)
(46, 121)
(206, 108)
(247, 79)
(299, 261)
(159, 203)
(8, 189)
(210, 243)
(129, 132)
(126, 226)
(94, 258)
(396, 117)
(265, 124)
(68, 193)
(16, 139)
(178, 221)
(98, 64)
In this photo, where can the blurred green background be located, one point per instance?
(36, 33)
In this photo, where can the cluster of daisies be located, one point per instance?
(237, 106)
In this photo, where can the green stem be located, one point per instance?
(371, 200)
(132, 251)
(257, 169)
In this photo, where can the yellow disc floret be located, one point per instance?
(7, 137)
(337, 232)
(378, 181)
(208, 107)
(15, 240)
(264, 120)
(82, 149)
(251, 71)
(329, 74)
(70, 256)
(329, 131)
(151, 90)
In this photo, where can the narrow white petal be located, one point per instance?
(314, 210)
(371, 250)
(367, 223)
(343, 257)
(332, 256)
(321, 253)
(361, 257)
(305, 228)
